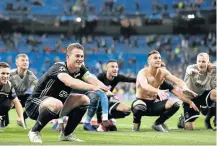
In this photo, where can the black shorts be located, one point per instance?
(203, 100)
(113, 106)
(153, 108)
(32, 107)
(23, 99)
(5, 106)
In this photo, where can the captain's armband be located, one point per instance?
(87, 75)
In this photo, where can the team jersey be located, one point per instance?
(120, 78)
(21, 85)
(166, 85)
(199, 83)
(50, 85)
(7, 92)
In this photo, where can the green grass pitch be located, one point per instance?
(124, 136)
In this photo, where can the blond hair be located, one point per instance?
(206, 55)
(73, 46)
(21, 55)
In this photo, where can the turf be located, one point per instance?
(16, 135)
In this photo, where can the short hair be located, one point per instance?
(204, 55)
(153, 52)
(112, 60)
(21, 55)
(4, 65)
(73, 46)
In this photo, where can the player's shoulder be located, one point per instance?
(145, 69)
(29, 72)
(102, 74)
(60, 66)
(13, 72)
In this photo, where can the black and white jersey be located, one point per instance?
(7, 92)
(50, 85)
(166, 85)
(120, 78)
(22, 84)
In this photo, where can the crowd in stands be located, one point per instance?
(105, 7)
(177, 50)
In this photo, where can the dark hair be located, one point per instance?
(153, 52)
(112, 60)
(163, 64)
(4, 65)
(73, 46)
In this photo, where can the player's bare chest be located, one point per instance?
(155, 81)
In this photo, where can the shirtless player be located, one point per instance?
(149, 80)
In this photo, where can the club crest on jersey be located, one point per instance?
(62, 68)
(63, 94)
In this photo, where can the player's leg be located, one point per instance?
(42, 110)
(190, 115)
(213, 95)
(166, 109)
(5, 106)
(208, 99)
(94, 103)
(210, 113)
(117, 110)
(138, 108)
(74, 107)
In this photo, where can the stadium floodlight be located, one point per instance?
(191, 16)
(78, 19)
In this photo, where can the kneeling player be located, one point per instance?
(51, 97)
(148, 81)
(116, 109)
(8, 95)
(201, 78)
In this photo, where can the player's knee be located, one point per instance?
(52, 105)
(213, 95)
(127, 113)
(84, 100)
(94, 98)
(189, 126)
(56, 106)
(172, 104)
(139, 108)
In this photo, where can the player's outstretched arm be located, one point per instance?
(184, 99)
(178, 82)
(76, 83)
(92, 79)
(19, 110)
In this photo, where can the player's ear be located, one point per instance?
(16, 62)
(67, 56)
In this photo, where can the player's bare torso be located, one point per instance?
(154, 80)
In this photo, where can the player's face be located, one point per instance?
(155, 60)
(22, 62)
(4, 75)
(76, 58)
(112, 68)
(202, 63)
